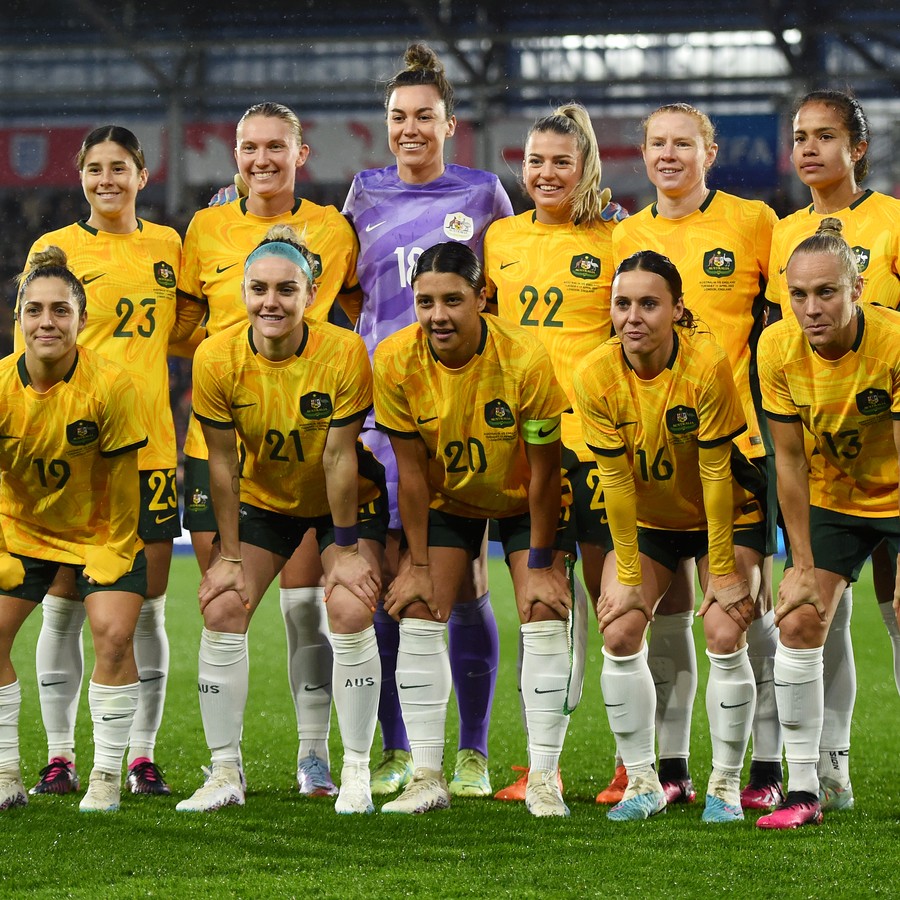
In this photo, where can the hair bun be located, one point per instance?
(50, 257)
(420, 57)
(830, 225)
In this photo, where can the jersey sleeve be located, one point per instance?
(209, 401)
(189, 278)
(121, 430)
(392, 410)
(777, 402)
(354, 399)
(597, 424)
(543, 397)
(720, 411)
(502, 204)
(765, 225)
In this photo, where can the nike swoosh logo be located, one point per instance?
(779, 684)
(507, 265)
(481, 674)
(152, 678)
(612, 705)
(112, 718)
(548, 691)
(623, 424)
(733, 705)
(782, 270)
(87, 280)
(409, 687)
(241, 405)
(316, 687)
(161, 520)
(421, 421)
(51, 683)
(373, 225)
(221, 269)
(543, 434)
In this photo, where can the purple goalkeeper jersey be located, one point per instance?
(395, 223)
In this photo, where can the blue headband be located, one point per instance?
(283, 249)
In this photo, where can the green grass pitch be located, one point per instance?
(282, 845)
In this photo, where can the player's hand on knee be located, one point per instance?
(412, 584)
(548, 586)
(732, 593)
(798, 588)
(353, 572)
(617, 599)
(221, 576)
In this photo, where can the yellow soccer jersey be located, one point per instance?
(220, 238)
(130, 283)
(871, 228)
(662, 423)
(554, 280)
(721, 252)
(281, 411)
(846, 404)
(471, 418)
(54, 451)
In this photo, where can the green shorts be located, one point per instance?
(39, 575)
(513, 532)
(668, 548)
(198, 508)
(158, 518)
(281, 534)
(588, 508)
(842, 543)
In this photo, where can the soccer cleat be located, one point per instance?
(58, 777)
(717, 811)
(314, 777)
(543, 796)
(393, 772)
(428, 790)
(355, 795)
(615, 790)
(835, 797)
(643, 798)
(470, 778)
(12, 790)
(798, 808)
(103, 793)
(679, 790)
(762, 796)
(516, 790)
(224, 786)
(146, 777)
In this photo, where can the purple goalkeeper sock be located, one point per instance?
(387, 633)
(474, 655)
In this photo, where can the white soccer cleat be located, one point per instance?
(428, 790)
(355, 795)
(12, 789)
(224, 786)
(103, 793)
(543, 797)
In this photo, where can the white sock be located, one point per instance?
(630, 700)
(309, 666)
(762, 638)
(545, 672)
(223, 684)
(801, 704)
(730, 700)
(357, 686)
(672, 658)
(59, 659)
(151, 653)
(840, 688)
(890, 621)
(112, 711)
(10, 704)
(423, 683)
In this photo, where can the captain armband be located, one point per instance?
(541, 431)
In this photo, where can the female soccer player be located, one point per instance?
(837, 375)
(720, 245)
(294, 393)
(660, 410)
(69, 499)
(550, 270)
(269, 150)
(129, 268)
(473, 410)
(830, 155)
(397, 211)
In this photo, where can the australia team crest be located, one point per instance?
(719, 263)
(498, 414)
(164, 274)
(585, 266)
(316, 405)
(458, 226)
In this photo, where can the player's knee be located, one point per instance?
(802, 628)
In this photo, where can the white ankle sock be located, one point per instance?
(762, 638)
(423, 683)
(59, 659)
(545, 671)
(630, 700)
(151, 653)
(223, 684)
(112, 711)
(357, 686)
(672, 658)
(10, 705)
(730, 700)
(309, 666)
